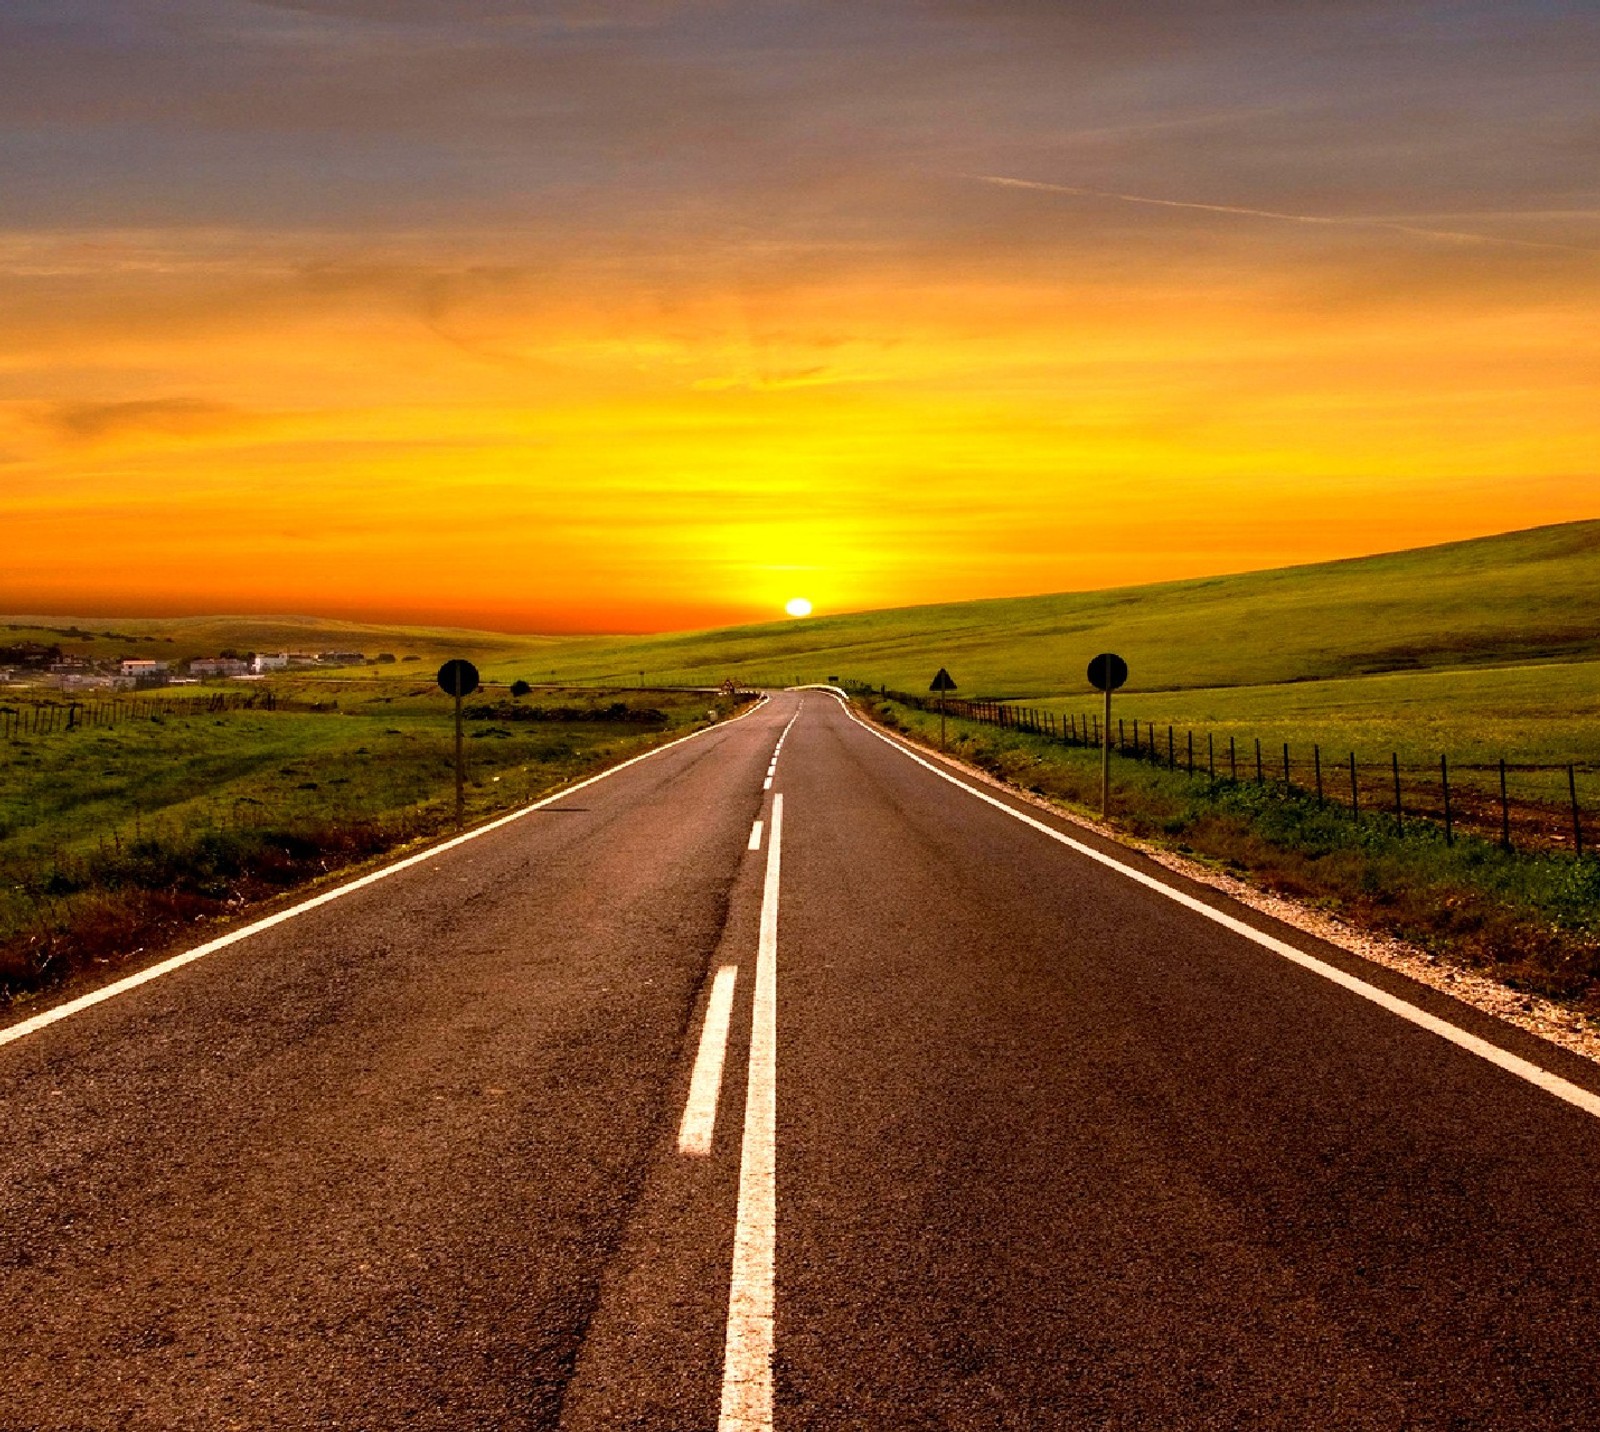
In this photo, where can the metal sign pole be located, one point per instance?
(1106, 673)
(1105, 761)
(461, 769)
(944, 684)
(459, 679)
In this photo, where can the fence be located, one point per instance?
(1405, 795)
(45, 718)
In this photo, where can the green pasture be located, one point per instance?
(101, 825)
(378, 753)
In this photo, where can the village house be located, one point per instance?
(269, 661)
(143, 668)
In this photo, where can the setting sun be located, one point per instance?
(798, 607)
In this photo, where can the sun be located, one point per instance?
(797, 607)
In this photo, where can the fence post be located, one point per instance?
(1172, 755)
(1211, 761)
(1355, 791)
(1577, 822)
(1316, 761)
(1260, 776)
(1399, 815)
(1233, 762)
(1191, 751)
(1288, 785)
(1121, 737)
(1505, 809)
(1444, 780)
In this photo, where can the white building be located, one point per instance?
(270, 661)
(143, 669)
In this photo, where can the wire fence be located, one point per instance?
(20, 719)
(1453, 797)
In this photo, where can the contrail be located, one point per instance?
(1334, 221)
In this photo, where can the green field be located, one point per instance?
(112, 838)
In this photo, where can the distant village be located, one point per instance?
(38, 664)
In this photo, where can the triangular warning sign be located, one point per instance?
(942, 682)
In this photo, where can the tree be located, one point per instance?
(520, 688)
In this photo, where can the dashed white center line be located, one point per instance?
(747, 1353)
(705, 1084)
(755, 835)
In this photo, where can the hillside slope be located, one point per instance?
(1518, 597)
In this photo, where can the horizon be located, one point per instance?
(658, 315)
(422, 623)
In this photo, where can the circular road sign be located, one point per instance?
(458, 678)
(1107, 671)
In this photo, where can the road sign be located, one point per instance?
(1107, 671)
(458, 678)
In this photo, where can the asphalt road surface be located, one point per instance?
(899, 1111)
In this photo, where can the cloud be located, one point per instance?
(162, 416)
(1356, 221)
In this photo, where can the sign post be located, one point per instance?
(1106, 673)
(459, 678)
(942, 683)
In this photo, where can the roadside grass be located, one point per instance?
(118, 840)
(1529, 918)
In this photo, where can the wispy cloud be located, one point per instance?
(1343, 221)
(168, 416)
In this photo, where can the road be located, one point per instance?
(913, 1108)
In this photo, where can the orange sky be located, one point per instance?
(657, 356)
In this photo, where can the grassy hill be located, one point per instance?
(1494, 601)
(179, 638)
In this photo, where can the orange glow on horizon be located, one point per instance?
(205, 430)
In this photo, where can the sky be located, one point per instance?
(633, 315)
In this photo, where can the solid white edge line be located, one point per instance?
(705, 1084)
(747, 1352)
(755, 836)
(48, 1017)
(1563, 1089)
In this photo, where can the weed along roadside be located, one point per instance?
(119, 840)
(1527, 913)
